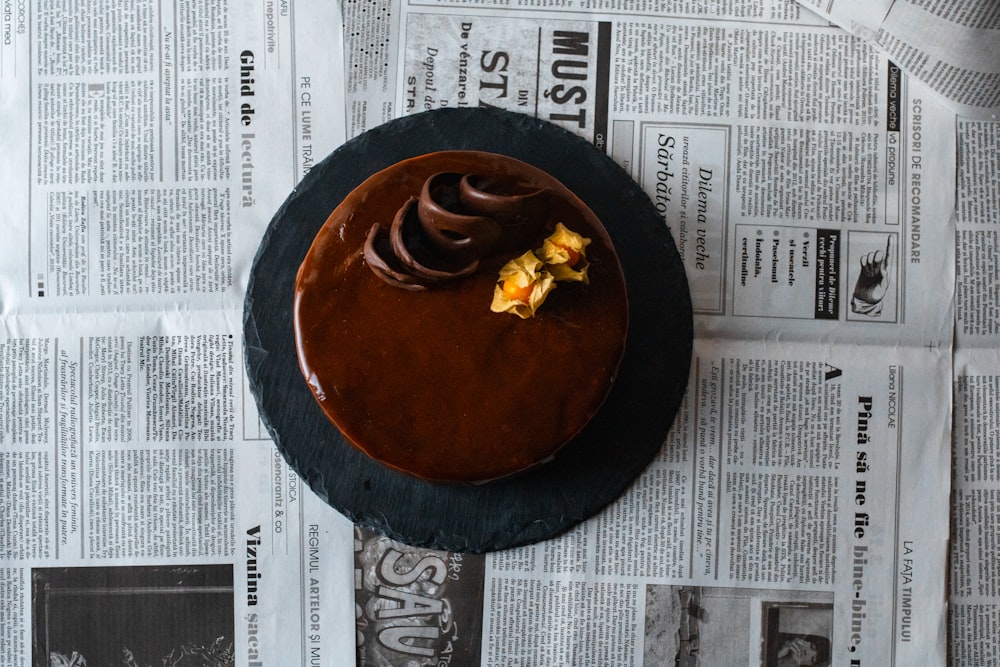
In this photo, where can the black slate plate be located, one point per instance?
(589, 472)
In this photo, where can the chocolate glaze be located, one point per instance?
(431, 382)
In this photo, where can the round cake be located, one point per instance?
(423, 345)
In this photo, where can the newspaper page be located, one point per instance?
(147, 517)
(798, 513)
(800, 501)
(951, 45)
(791, 512)
(975, 581)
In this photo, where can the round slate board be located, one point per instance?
(589, 472)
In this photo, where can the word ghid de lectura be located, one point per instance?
(246, 115)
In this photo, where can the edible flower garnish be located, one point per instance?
(525, 281)
(565, 254)
(522, 287)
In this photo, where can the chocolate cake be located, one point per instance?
(421, 352)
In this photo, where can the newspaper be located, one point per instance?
(800, 506)
(147, 518)
(948, 44)
(797, 513)
(975, 581)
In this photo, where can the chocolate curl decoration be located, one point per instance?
(516, 209)
(450, 228)
(457, 220)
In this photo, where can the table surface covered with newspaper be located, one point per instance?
(832, 193)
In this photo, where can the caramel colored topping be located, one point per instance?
(411, 378)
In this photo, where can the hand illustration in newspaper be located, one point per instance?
(873, 282)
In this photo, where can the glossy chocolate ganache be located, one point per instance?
(400, 336)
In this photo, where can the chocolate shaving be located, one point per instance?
(448, 226)
(401, 236)
(380, 267)
(441, 235)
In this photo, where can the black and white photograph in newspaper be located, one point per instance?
(701, 626)
(133, 616)
(416, 607)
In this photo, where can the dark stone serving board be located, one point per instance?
(589, 472)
